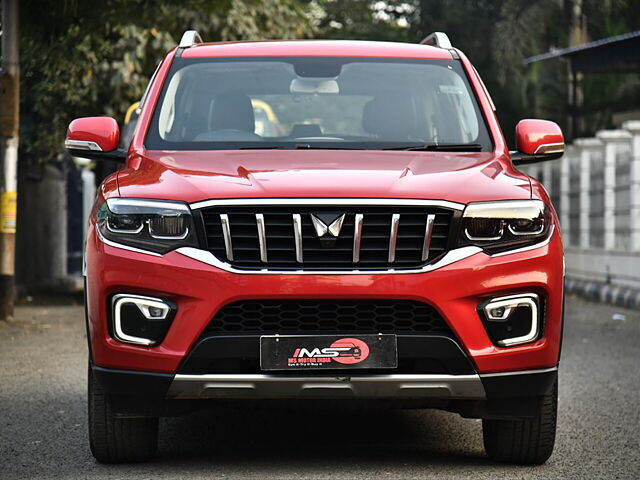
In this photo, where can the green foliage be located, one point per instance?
(83, 75)
(95, 58)
(363, 19)
(497, 35)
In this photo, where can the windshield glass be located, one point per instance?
(316, 102)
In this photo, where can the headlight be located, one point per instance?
(501, 226)
(155, 225)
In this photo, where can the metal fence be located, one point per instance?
(595, 188)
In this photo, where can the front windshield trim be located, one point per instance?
(153, 142)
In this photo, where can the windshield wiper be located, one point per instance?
(265, 147)
(297, 146)
(425, 147)
(442, 147)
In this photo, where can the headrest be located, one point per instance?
(232, 111)
(390, 117)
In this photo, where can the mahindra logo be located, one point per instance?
(327, 223)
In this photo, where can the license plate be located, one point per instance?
(328, 352)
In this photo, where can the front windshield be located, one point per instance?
(316, 102)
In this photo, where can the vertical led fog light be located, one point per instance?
(512, 320)
(141, 320)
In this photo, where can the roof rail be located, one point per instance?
(437, 39)
(189, 39)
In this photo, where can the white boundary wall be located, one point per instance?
(595, 189)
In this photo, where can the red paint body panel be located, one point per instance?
(102, 130)
(320, 48)
(485, 105)
(531, 134)
(194, 176)
(200, 290)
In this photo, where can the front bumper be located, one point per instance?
(501, 394)
(392, 386)
(200, 290)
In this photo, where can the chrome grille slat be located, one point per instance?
(357, 236)
(262, 237)
(297, 231)
(428, 233)
(371, 237)
(226, 231)
(393, 237)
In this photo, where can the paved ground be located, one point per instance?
(43, 430)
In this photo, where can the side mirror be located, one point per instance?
(537, 141)
(95, 138)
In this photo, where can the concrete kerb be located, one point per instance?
(604, 293)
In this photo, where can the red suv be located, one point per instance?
(325, 222)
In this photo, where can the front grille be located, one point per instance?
(369, 237)
(328, 316)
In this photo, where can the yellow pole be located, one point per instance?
(9, 129)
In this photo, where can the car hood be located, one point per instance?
(194, 176)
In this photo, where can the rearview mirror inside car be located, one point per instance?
(314, 85)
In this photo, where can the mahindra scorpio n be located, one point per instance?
(370, 242)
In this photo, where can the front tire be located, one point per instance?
(118, 440)
(527, 442)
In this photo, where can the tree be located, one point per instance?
(498, 35)
(533, 27)
(83, 58)
(363, 19)
(95, 58)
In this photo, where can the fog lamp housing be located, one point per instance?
(512, 320)
(140, 320)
